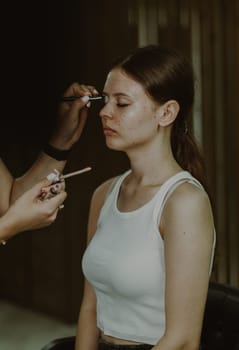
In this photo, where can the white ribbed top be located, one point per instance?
(124, 263)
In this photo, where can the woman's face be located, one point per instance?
(129, 116)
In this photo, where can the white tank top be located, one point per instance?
(124, 263)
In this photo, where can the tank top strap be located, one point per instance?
(168, 187)
(116, 183)
(113, 190)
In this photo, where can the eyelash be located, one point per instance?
(122, 105)
(118, 104)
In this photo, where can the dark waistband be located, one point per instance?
(103, 345)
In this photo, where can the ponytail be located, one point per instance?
(187, 152)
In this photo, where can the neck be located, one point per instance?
(154, 163)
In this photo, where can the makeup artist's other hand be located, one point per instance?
(30, 212)
(72, 116)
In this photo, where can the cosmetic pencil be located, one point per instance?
(73, 98)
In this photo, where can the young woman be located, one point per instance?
(151, 231)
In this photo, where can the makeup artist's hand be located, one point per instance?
(31, 211)
(72, 116)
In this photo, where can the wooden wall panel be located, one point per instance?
(207, 32)
(231, 85)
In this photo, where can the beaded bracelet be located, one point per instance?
(56, 153)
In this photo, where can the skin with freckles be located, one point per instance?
(129, 117)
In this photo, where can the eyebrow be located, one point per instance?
(117, 94)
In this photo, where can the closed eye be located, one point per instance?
(118, 103)
(122, 104)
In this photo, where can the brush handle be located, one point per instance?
(73, 98)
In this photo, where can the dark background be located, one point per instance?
(49, 46)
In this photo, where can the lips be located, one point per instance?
(108, 131)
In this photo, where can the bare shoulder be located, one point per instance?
(188, 196)
(187, 203)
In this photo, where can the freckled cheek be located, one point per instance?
(130, 121)
(118, 122)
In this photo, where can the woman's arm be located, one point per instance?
(87, 332)
(188, 230)
(6, 183)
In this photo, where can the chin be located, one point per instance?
(114, 146)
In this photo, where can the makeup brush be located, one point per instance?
(73, 98)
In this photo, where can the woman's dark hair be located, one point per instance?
(166, 74)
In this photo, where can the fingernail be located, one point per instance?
(54, 190)
(85, 98)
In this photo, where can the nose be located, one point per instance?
(106, 111)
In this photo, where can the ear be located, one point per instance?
(168, 112)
